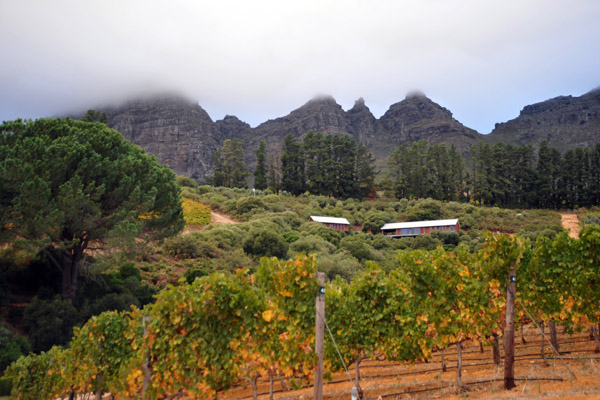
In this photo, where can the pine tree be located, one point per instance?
(229, 167)
(260, 174)
(292, 165)
(365, 172)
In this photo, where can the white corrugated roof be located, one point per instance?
(420, 224)
(330, 220)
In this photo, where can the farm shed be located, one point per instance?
(416, 228)
(339, 224)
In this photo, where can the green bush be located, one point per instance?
(358, 245)
(50, 322)
(184, 181)
(426, 242)
(317, 229)
(341, 264)
(265, 243)
(311, 244)
(424, 210)
(249, 205)
(192, 246)
(12, 346)
(5, 386)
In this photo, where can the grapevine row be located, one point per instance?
(202, 338)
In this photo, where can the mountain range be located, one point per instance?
(182, 134)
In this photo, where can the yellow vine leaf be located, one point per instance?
(267, 315)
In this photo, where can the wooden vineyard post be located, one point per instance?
(320, 336)
(509, 332)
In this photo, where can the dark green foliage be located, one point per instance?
(312, 244)
(425, 210)
(72, 183)
(509, 176)
(290, 236)
(129, 270)
(330, 165)
(249, 205)
(292, 166)
(5, 386)
(196, 272)
(229, 167)
(265, 243)
(95, 116)
(358, 245)
(317, 229)
(12, 346)
(374, 220)
(426, 242)
(427, 171)
(184, 181)
(192, 246)
(260, 174)
(50, 322)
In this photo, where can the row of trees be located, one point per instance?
(422, 171)
(329, 165)
(203, 337)
(502, 175)
(515, 176)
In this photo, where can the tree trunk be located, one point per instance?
(543, 354)
(72, 395)
(496, 349)
(509, 332)
(146, 366)
(481, 347)
(357, 378)
(596, 338)
(271, 380)
(459, 365)
(99, 379)
(254, 386)
(522, 329)
(553, 338)
(444, 367)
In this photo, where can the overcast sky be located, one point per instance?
(483, 60)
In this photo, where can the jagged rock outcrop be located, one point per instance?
(180, 133)
(176, 130)
(565, 122)
(419, 118)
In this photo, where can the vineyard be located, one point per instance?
(204, 339)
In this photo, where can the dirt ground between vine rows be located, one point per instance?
(483, 379)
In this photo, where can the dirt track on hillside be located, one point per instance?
(570, 221)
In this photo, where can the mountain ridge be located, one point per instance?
(182, 134)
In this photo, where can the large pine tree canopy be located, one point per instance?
(65, 184)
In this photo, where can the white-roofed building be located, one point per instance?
(339, 224)
(416, 228)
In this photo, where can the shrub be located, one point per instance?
(358, 246)
(129, 269)
(265, 243)
(184, 181)
(426, 242)
(196, 272)
(317, 229)
(50, 322)
(424, 210)
(249, 206)
(12, 346)
(311, 244)
(5, 386)
(291, 236)
(341, 264)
